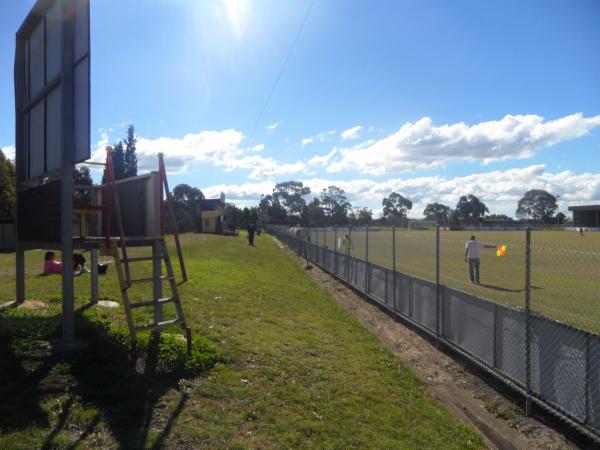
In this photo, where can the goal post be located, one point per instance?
(421, 224)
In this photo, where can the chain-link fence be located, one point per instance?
(527, 311)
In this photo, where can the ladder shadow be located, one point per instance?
(124, 396)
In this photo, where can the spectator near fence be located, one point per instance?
(472, 256)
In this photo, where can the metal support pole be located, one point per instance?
(157, 288)
(20, 269)
(394, 266)
(437, 284)
(67, 89)
(528, 403)
(367, 259)
(94, 278)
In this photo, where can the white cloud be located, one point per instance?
(273, 126)
(322, 160)
(500, 190)
(321, 137)
(9, 151)
(221, 148)
(422, 145)
(351, 133)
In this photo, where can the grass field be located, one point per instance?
(293, 369)
(565, 268)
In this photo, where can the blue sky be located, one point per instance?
(432, 99)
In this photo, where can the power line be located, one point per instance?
(285, 61)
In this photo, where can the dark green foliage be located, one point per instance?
(470, 210)
(290, 195)
(7, 187)
(130, 156)
(186, 207)
(537, 205)
(395, 207)
(437, 212)
(335, 205)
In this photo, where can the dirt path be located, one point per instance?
(500, 421)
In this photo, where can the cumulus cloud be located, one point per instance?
(422, 144)
(221, 148)
(322, 160)
(351, 133)
(321, 137)
(9, 151)
(273, 126)
(500, 190)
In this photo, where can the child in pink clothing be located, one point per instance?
(51, 265)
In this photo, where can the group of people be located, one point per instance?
(52, 265)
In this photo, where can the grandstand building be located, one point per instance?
(586, 216)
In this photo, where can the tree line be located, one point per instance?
(288, 204)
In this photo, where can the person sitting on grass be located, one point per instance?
(472, 256)
(51, 265)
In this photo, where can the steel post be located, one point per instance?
(528, 402)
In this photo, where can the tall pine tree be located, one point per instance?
(130, 158)
(118, 157)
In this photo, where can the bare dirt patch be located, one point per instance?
(499, 420)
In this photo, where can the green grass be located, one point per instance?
(565, 268)
(296, 369)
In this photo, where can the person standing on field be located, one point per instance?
(251, 231)
(472, 256)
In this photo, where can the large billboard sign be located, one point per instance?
(52, 88)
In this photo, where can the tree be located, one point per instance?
(233, 216)
(130, 156)
(395, 207)
(7, 187)
(186, 206)
(271, 211)
(118, 159)
(290, 195)
(335, 205)
(364, 216)
(470, 210)
(314, 215)
(537, 205)
(438, 213)
(82, 177)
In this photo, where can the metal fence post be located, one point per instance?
(528, 404)
(317, 245)
(335, 258)
(437, 283)
(394, 266)
(367, 259)
(348, 253)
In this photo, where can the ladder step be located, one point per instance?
(141, 258)
(156, 326)
(160, 301)
(149, 279)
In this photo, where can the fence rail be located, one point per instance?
(554, 365)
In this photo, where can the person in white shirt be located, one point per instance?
(472, 256)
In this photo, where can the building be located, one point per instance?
(212, 219)
(586, 216)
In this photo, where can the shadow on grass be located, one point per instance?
(101, 379)
(503, 289)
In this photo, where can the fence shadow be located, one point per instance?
(504, 289)
(124, 395)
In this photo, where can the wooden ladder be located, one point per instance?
(161, 253)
